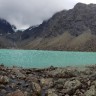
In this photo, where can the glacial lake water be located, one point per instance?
(42, 59)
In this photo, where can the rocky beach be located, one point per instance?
(52, 81)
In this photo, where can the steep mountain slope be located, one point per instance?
(5, 43)
(73, 29)
(84, 42)
(77, 20)
(52, 43)
(5, 30)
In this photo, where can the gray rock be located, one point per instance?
(46, 82)
(91, 91)
(70, 86)
(36, 87)
(4, 79)
(18, 73)
(3, 91)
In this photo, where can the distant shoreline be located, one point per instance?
(49, 50)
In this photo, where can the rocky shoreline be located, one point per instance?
(53, 81)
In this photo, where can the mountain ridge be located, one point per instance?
(73, 29)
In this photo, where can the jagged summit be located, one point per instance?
(82, 5)
(77, 20)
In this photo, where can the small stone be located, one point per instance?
(89, 83)
(18, 73)
(36, 87)
(51, 92)
(3, 91)
(2, 86)
(12, 85)
(25, 93)
(66, 95)
(46, 82)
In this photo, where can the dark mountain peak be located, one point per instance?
(4, 21)
(83, 6)
(5, 27)
(80, 5)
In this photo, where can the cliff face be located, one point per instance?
(73, 29)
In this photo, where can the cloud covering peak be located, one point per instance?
(24, 13)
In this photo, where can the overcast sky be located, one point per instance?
(25, 13)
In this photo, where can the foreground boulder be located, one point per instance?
(36, 87)
(4, 79)
(71, 86)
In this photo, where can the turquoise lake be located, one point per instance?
(42, 59)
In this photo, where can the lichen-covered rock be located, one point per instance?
(36, 87)
(70, 86)
(91, 91)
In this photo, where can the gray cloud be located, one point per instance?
(24, 13)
